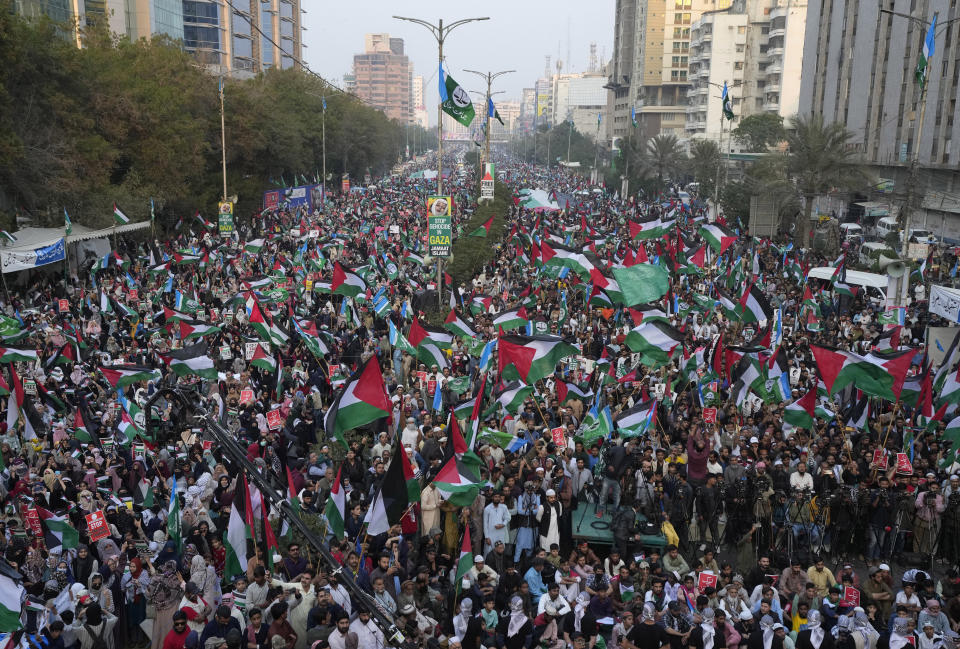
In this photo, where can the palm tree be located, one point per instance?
(662, 156)
(820, 159)
(704, 164)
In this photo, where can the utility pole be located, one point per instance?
(440, 33)
(914, 196)
(223, 142)
(569, 134)
(489, 76)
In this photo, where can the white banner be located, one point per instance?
(25, 259)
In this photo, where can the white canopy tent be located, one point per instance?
(40, 246)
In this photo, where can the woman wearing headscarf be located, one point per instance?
(134, 583)
(165, 592)
(813, 636)
(84, 564)
(205, 577)
(94, 624)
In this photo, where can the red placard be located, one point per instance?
(774, 578)
(710, 415)
(133, 295)
(274, 420)
(706, 580)
(63, 305)
(97, 527)
(422, 377)
(246, 396)
(334, 370)
(903, 464)
(558, 437)
(33, 520)
(851, 597)
(431, 387)
(879, 459)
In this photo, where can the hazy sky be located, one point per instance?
(519, 34)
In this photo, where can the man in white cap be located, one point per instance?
(479, 566)
(548, 515)
(496, 523)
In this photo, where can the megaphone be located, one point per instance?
(892, 267)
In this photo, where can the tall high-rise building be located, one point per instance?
(420, 114)
(651, 63)
(383, 76)
(580, 98)
(858, 69)
(756, 48)
(143, 18)
(254, 37)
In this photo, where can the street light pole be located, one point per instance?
(489, 76)
(223, 140)
(440, 33)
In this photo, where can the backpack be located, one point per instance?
(98, 641)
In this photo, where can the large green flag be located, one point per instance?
(456, 101)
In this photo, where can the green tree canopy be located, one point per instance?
(759, 132)
(121, 121)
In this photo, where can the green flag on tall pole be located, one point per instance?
(929, 46)
(67, 223)
(727, 104)
(173, 517)
(455, 101)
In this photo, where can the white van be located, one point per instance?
(870, 252)
(886, 225)
(851, 231)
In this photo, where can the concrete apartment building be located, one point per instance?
(650, 65)
(756, 48)
(858, 69)
(580, 97)
(383, 76)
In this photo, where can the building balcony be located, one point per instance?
(698, 126)
(772, 85)
(771, 106)
(775, 53)
(775, 67)
(781, 32)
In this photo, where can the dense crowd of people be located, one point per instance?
(716, 522)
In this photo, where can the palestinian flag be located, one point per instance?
(801, 413)
(458, 326)
(566, 391)
(531, 358)
(254, 246)
(64, 356)
(512, 396)
(192, 360)
(361, 400)
(259, 323)
(419, 335)
(457, 484)
(638, 420)
(655, 342)
(718, 237)
(512, 319)
(654, 228)
(336, 509)
(609, 285)
(119, 216)
(647, 314)
(749, 375)
(58, 531)
(432, 355)
(235, 540)
(755, 306)
(398, 340)
(169, 315)
(465, 560)
(409, 476)
(483, 230)
(730, 308)
(859, 414)
(120, 376)
(877, 374)
(346, 282)
(9, 355)
(263, 360)
(566, 258)
(191, 329)
(413, 258)
(11, 596)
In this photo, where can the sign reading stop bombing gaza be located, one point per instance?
(439, 225)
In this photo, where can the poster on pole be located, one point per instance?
(486, 182)
(439, 225)
(226, 218)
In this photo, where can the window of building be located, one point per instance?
(740, 48)
(678, 18)
(742, 29)
(205, 13)
(241, 26)
(738, 65)
(242, 47)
